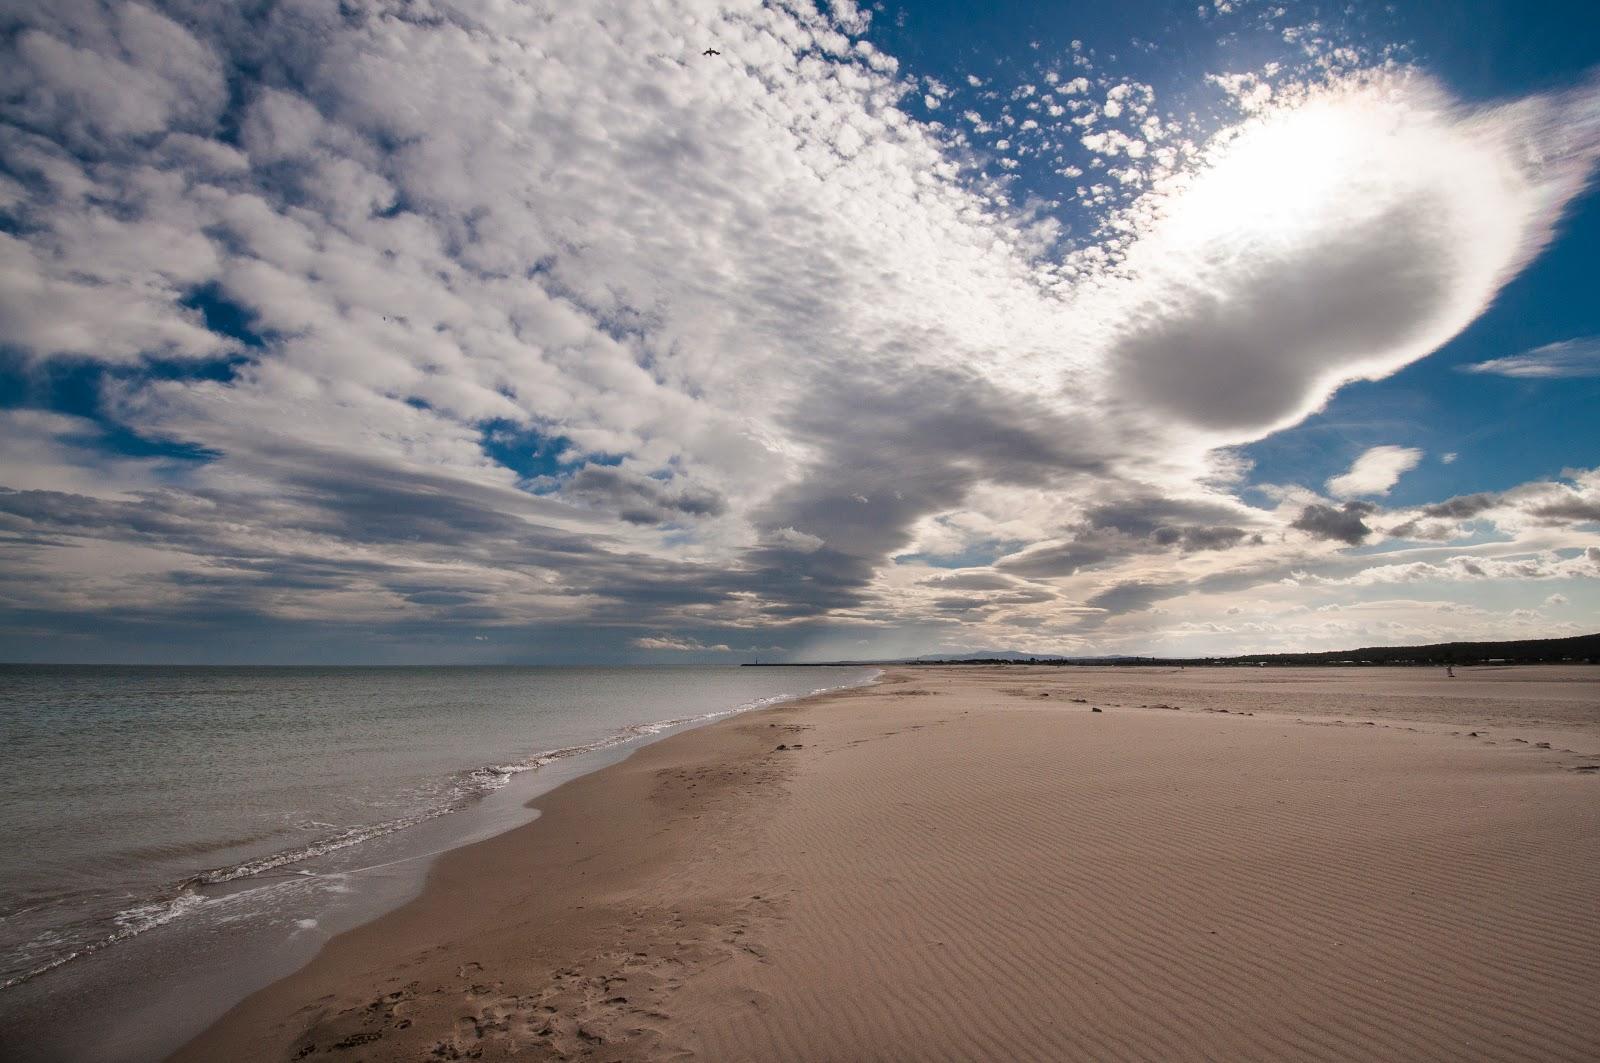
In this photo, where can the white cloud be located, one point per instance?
(790, 539)
(1336, 236)
(677, 644)
(1468, 568)
(1375, 472)
(1569, 358)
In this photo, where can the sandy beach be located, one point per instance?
(971, 863)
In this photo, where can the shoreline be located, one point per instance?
(194, 972)
(944, 864)
(573, 811)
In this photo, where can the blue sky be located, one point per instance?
(520, 335)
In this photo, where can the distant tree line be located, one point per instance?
(1578, 649)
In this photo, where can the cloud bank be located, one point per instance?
(427, 319)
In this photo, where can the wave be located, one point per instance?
(463, 790)
(128, 923)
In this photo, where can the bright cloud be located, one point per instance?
(1465, 568)
(679, 645)
(1338, 236)
(1375, 472)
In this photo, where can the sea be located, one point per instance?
(173, 838)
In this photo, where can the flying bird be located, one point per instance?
(710, 51)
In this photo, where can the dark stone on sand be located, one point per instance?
(357, 1039)
(1094, 710)
(781, 746)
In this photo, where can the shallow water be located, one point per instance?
(213, 825)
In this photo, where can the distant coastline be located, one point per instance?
(1577, 649)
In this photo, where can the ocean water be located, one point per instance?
(209, 827)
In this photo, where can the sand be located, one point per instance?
(971, 864)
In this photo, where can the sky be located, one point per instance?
(500, 332)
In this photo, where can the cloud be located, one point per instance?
(970, 581)
(1462, 507)
(374, 322)
(1128, 597)
(641, 499)
(1553, 361)
(1466, 568)
(677, 644)
(1134, 526)
(1375, 472)
(1573, 510)
(1346, 524)
(1350, 261)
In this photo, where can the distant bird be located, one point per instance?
(710, 51)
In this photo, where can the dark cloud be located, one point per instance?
(1064, 559)
(640, 499)
(1194, 537)
(1345, 525)
(1133, 597)
(959, 604)
(237, 570)
(1462, 507)
(1247, 351)
(1437, 531)
(1132, 527)
(898, 446)
(1573, 511)
(1148, 515)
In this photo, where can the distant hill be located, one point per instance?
(1580, 649)
(987, 655)
(1014, 657)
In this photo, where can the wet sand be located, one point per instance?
(969, 863)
